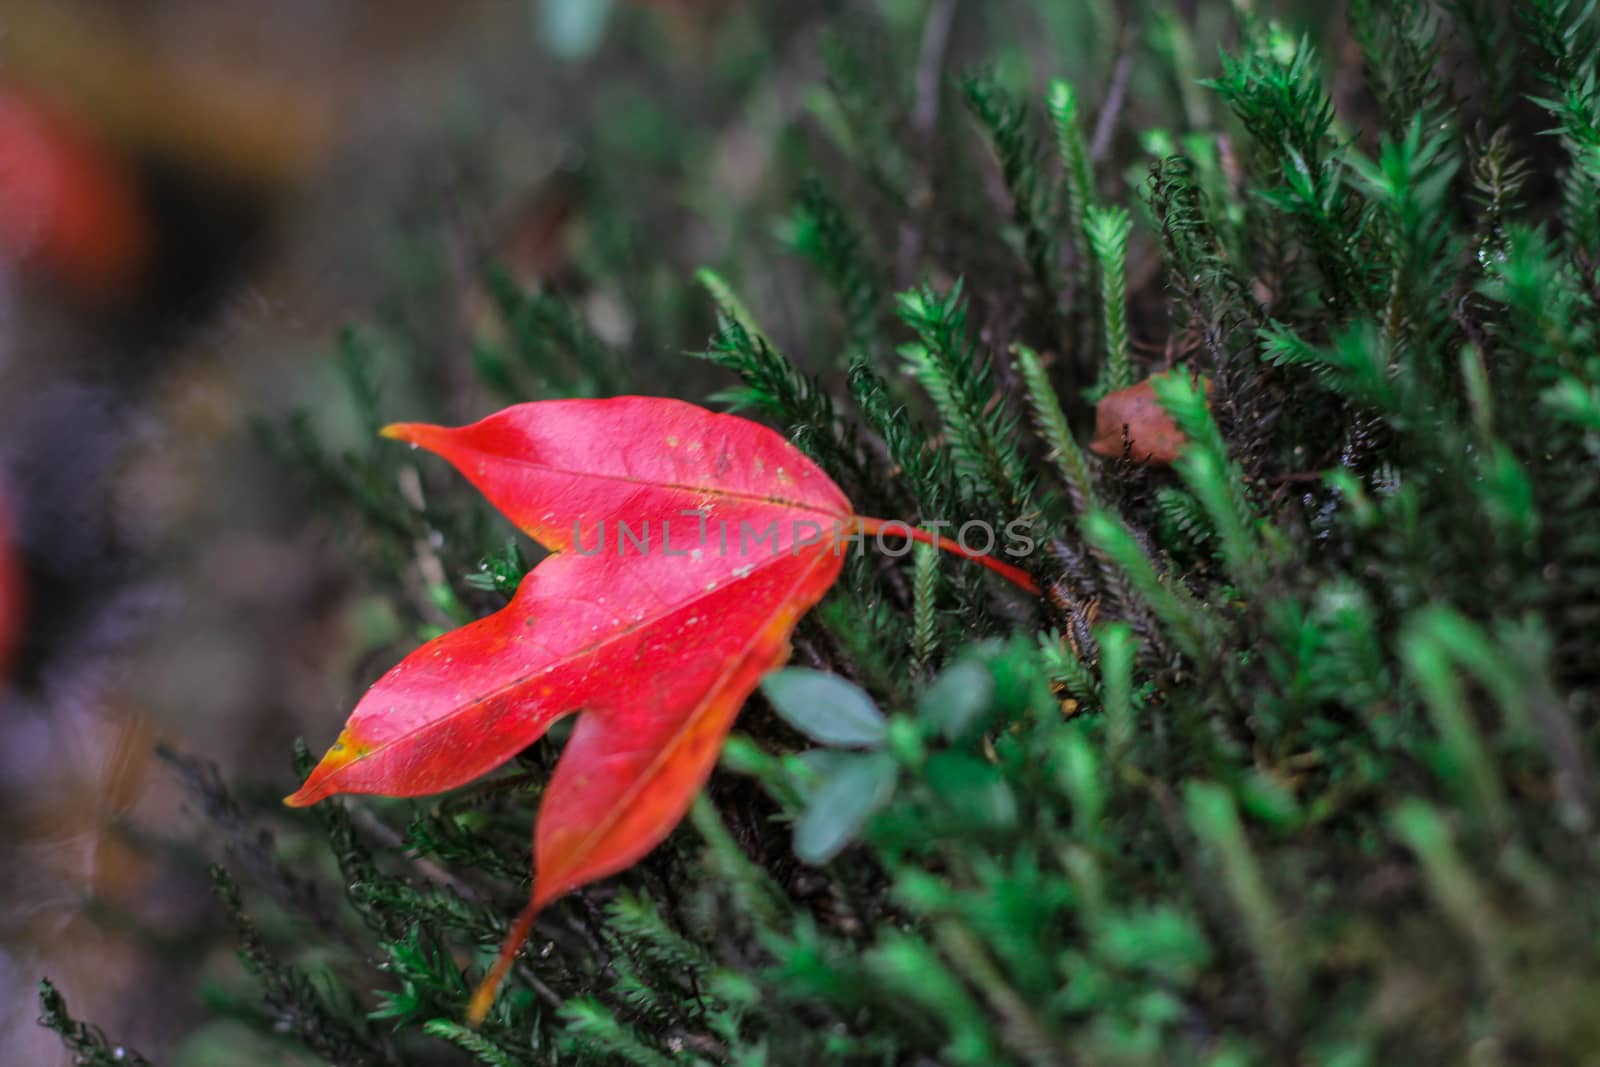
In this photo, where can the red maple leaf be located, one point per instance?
(685, 546)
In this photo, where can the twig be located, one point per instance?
(1105, 126)
(930, 64)
(924, 117)
(386, 835)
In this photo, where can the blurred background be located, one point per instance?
(192, 194)
(196, 197)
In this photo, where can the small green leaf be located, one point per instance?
(857, 786)
(1163, 940)
(1269, 800)
(973, 790)
(820, 764)
(573, 29)
(825, 707)
(957, 699)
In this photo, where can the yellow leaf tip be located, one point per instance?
(417, 434)
(482, 1001)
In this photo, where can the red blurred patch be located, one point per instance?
(1152, 436)
(68, 207)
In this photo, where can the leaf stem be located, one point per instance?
(1015, 575)
(483, 996)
